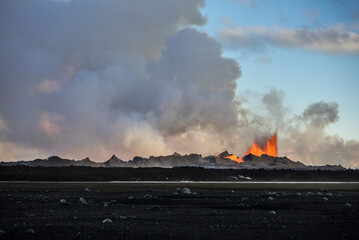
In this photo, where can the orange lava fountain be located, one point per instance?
(270, 148)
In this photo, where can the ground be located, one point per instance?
(152, 213)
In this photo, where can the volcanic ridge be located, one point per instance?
(222, 161)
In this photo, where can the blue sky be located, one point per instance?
(306, 75)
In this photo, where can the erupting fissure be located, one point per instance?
(270, 148)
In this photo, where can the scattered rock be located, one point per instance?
(130, 197)
(186, 191)
(310, 194)
(147, 196)
(107, 220)
(325, 199)
(83, 201)
(273, 193)
(320, 194)
(122, 217)
(64, 202)
(270, 198)
(45, 199)
(233, 177)
(30, 231)
(298, 194)
(2, 232)
(244, 177)
(106, 204)
(214, 212)
(272, 212)
(329, 194)
(113, 201)
(348, 205)
(87, 190)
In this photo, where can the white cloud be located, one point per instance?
(264, 59)
(331, 41)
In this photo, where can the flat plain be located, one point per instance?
(159, 210)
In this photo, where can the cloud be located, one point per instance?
(134, 78)
(123, 77)
(264, 59)
(321, 113)
(247, 3)
(312, 15)
(331, 41)
(302, 137)
(48, 86)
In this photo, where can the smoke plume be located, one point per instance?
(133, 77)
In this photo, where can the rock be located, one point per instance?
(273, 193)
(106, 204)
(310, 194)
(298, 194)
(272, 212)
(45, 198)
(83, 201)
(186, 191)
(107, 220)
(64, 202)
(214, 212)
(122, 217)
(130, 198)
(320, 194)
(113, 201)
(30, 231)
(87, 190)
(147, 196)
(2, 232)
(329, 194)
(325, 199)
(270, 198)
(348, 205)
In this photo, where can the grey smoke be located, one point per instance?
(321, 113)
(93, 78)
(96, 78)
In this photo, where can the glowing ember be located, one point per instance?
(270, 147)
(235, 158)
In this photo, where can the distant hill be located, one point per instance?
(250, 161)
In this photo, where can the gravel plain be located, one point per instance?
(178, 212)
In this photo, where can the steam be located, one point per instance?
(93, 78)
(301, 137)
(96, 78)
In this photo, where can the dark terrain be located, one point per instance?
(221, 161)
(173, 214)
(25, 173)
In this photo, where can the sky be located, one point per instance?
(304, 74)
(135, 77)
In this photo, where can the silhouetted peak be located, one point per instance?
(176, 154)
(224, 154)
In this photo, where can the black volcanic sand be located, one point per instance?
(171, 214)
(24, 173)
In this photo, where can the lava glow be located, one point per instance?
(235, 158)
(270, 147)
